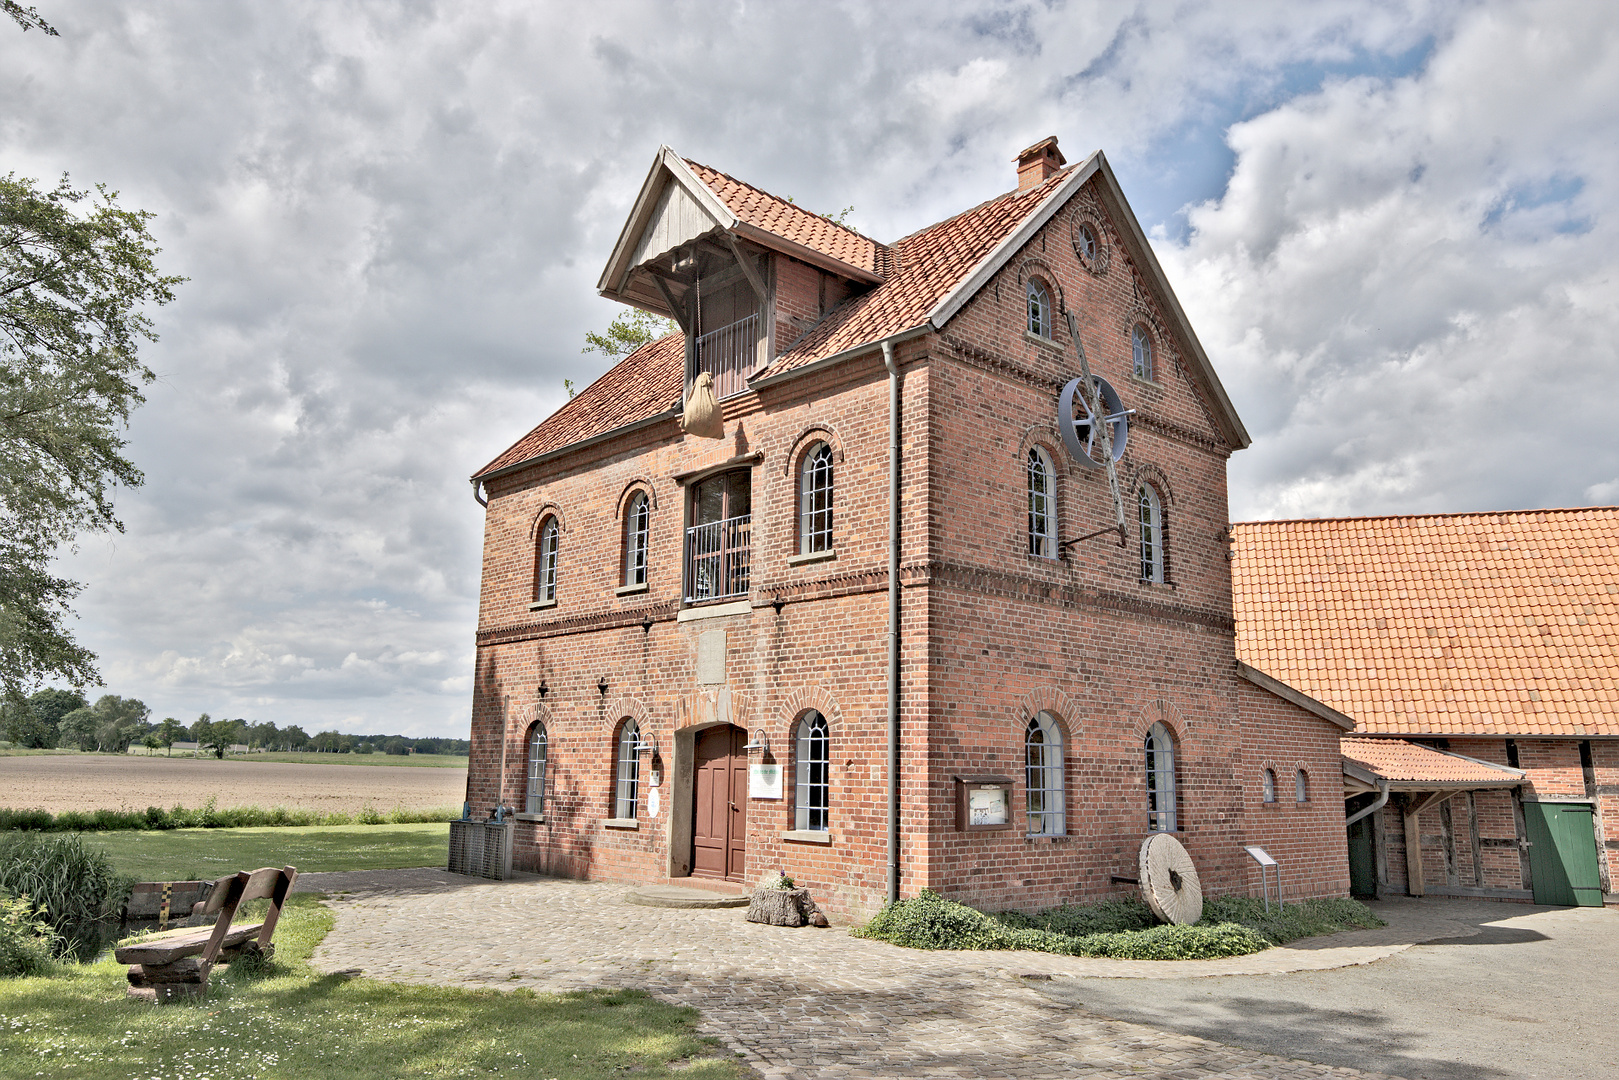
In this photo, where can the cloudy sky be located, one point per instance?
(1392, 225)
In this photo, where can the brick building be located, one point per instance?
(1476, 656)
(707, 657)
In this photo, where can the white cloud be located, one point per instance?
(393, 218)
(1409, 285)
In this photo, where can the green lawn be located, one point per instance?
(289, 1022)
(204, 854)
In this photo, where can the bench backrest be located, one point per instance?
(235, 890)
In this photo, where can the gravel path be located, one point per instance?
(808, 1003)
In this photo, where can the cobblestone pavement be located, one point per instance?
(797, 1002)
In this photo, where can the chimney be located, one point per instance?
(1039, 163)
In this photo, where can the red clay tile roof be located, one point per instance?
(647, 382)
(1400, 761)
(792, 223)
(930, 264)
(1459, 624)
(922, 268)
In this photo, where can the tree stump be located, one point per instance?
(777, 907)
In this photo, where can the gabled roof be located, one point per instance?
(1407, 766)
(918, 284)
(1502, 624)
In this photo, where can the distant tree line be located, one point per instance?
(65, 718)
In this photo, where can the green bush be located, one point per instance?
(1289, 922)
(1078, 920)
(26, 939)
(929, 921)
(1173, 943)
(80, 892)
(208, 816)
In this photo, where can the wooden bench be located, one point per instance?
(176, 964)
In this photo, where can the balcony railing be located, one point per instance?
(717, 557)
(729, 354)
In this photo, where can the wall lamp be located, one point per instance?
(760, 741)
(601, 684)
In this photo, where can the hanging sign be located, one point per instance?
(764, 781)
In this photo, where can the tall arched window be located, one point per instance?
(1141, 352)
(1161, 815)
(1151, 516)
(1301, 786)
(1042, 505)
(1042, 746)
(815, 500)
(627, 787)
(545, 563)
(1270, 785)
(636, 534)
(813, 774)
(1039, 309)
(534, 799)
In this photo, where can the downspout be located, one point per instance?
(893, 620)
(477, 493)
(1367, 811)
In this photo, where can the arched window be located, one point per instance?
(545, 563)
(637, 520)
(813, 763)
(1270, 785)
(1141, 352)
(534, 800)
(815, 500)
(1042, 746)
(1301, 787)
(1151, 516)
(1042, 505)
(627, 789)
(1161, 815)
(1086, 245)
(1039, 309)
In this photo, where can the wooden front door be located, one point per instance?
(719, 831)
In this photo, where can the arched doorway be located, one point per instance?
(720, 804)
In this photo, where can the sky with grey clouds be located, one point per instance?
(1391, 224)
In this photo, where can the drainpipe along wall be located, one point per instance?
(893, 620)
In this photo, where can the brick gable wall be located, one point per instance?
(987, 631)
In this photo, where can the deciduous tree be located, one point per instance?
(76, 274)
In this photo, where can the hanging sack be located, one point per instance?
(702, 416)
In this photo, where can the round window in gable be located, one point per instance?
(1089, 247)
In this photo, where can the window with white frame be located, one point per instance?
(1141, 352)
(1301, 787)
(1161, 815)
(534, 799)
(1270, 785)
(1043, 753)
(637, 535)
(1042, 505)
(815, 500)
(545, 562)
(627, 786)
(1150, 514)
(813, 774)
(1039, 308)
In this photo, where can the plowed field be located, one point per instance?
(108, 782)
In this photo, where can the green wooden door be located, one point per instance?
(1563, 854)
(1362, 860)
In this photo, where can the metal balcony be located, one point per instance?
(717, 556)
(729, 355)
